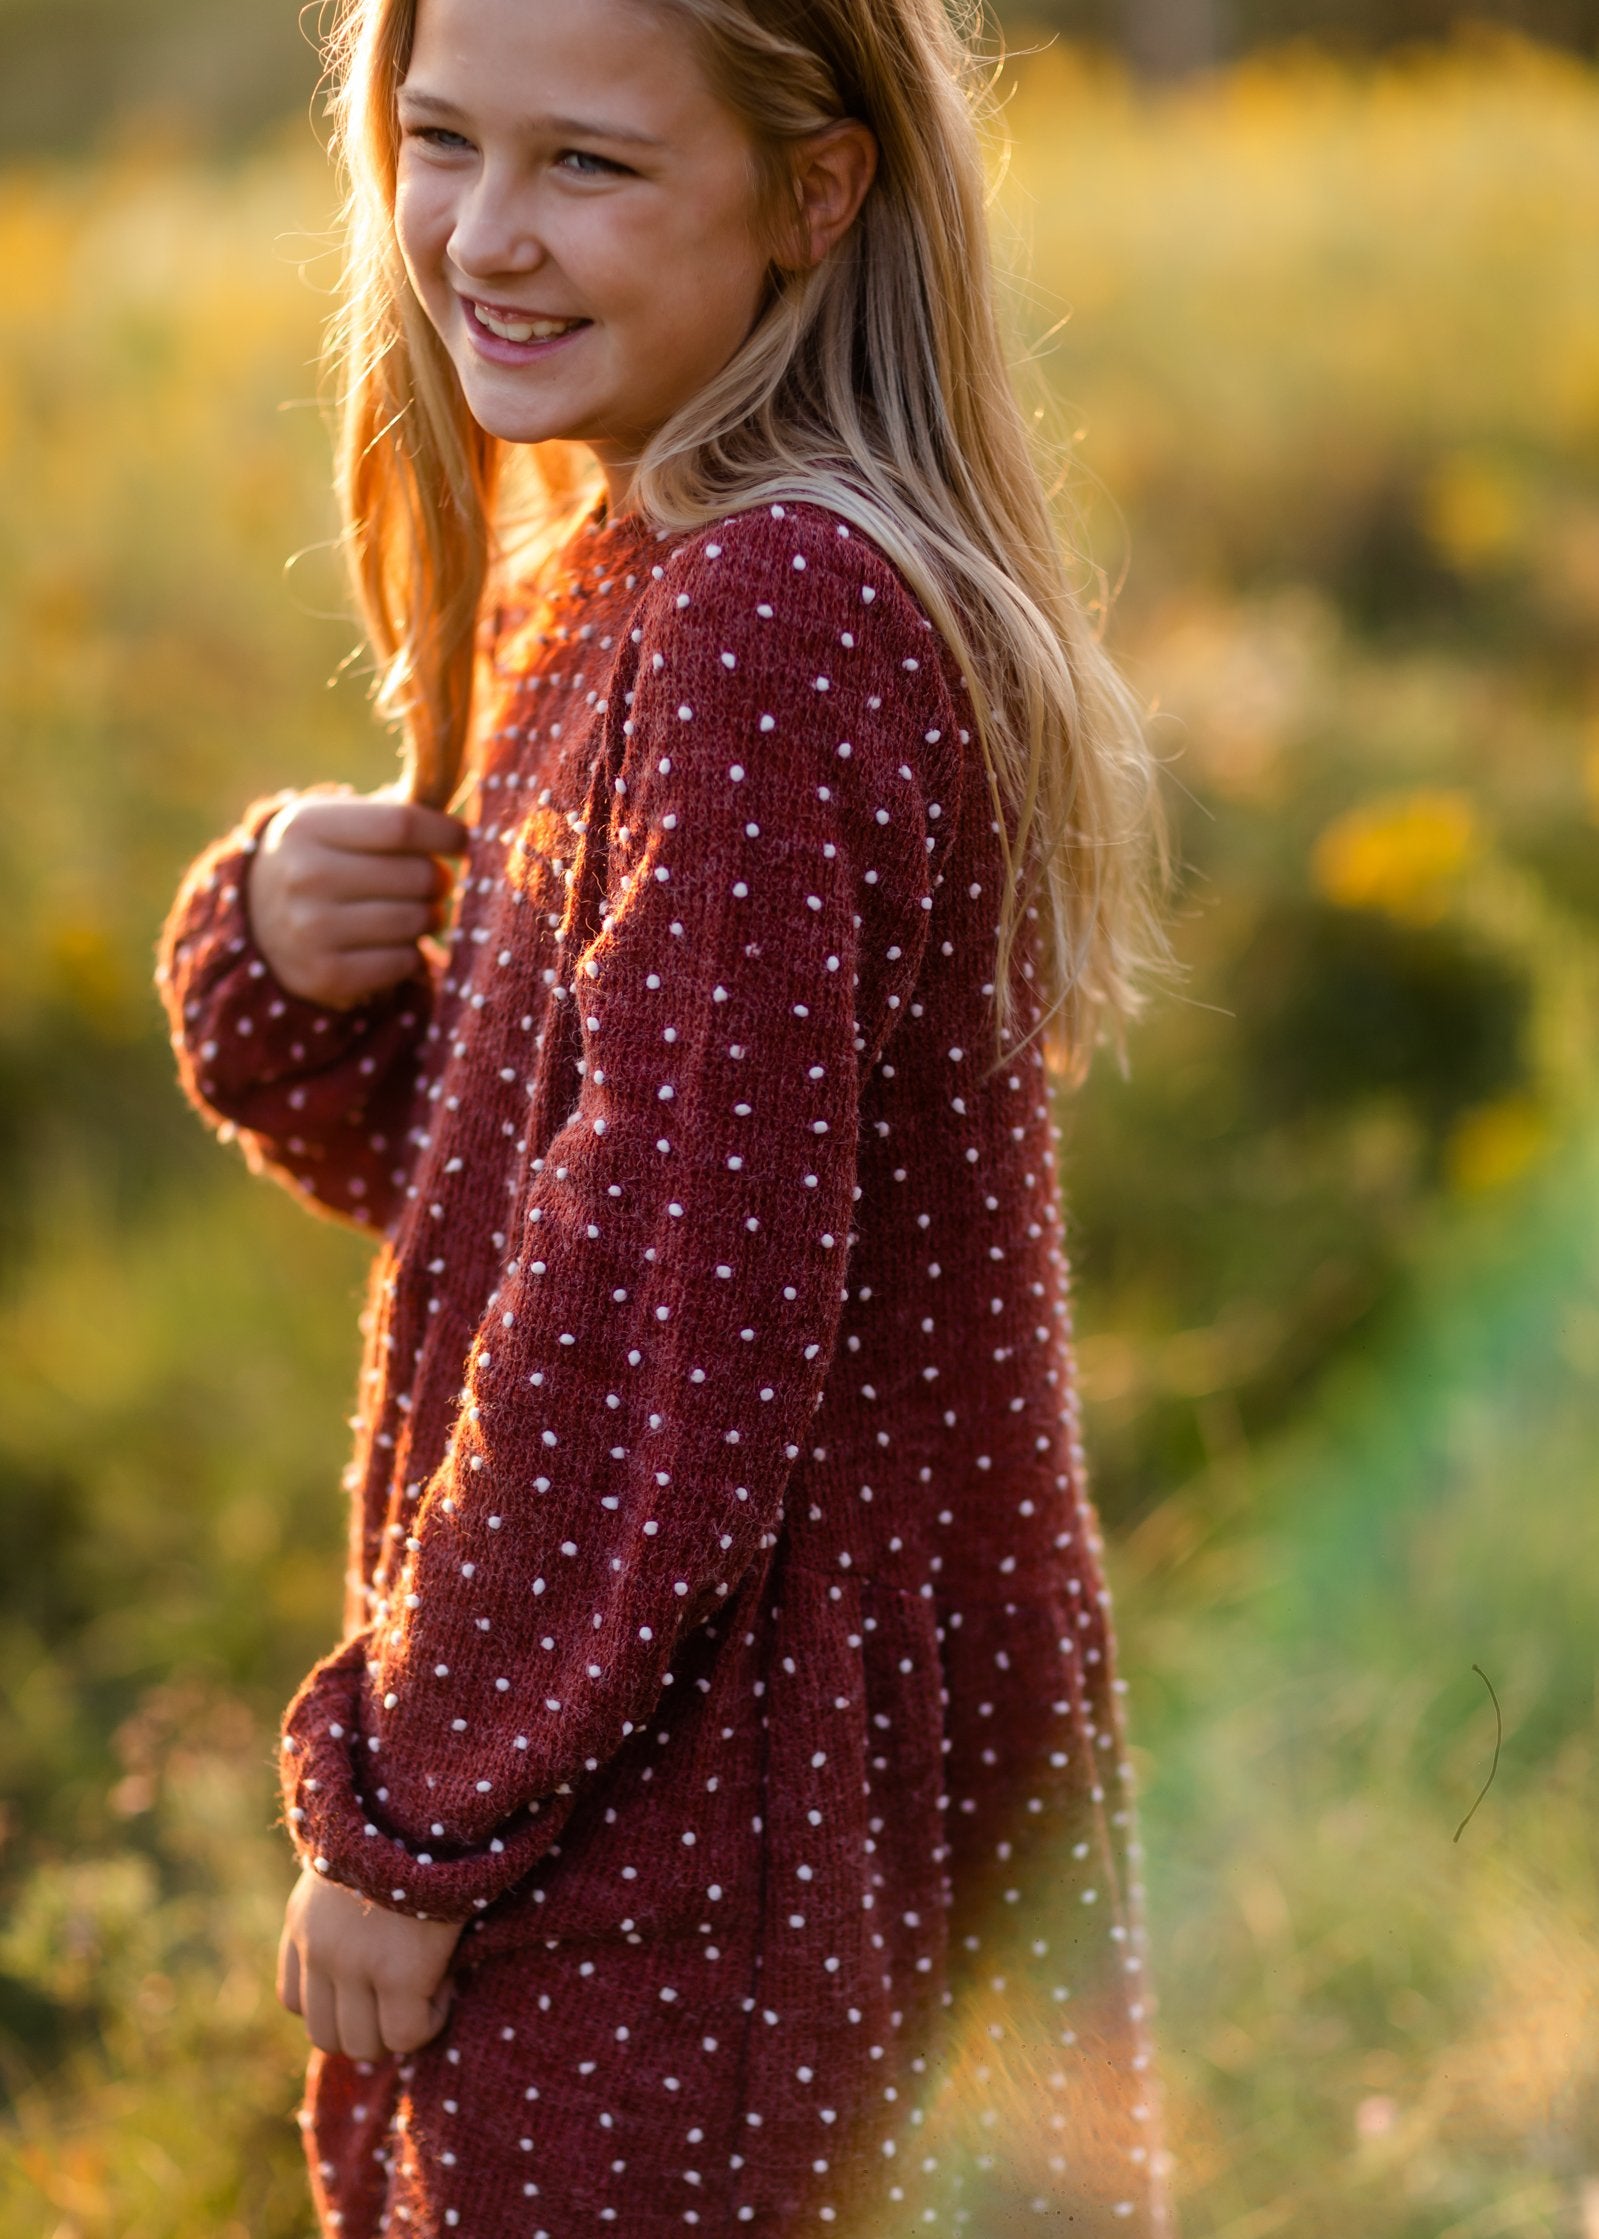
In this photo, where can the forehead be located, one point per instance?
(627, 62)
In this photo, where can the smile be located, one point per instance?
(518, 326)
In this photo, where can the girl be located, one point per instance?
(717, 1812)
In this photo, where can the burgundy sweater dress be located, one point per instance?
(726, 1639)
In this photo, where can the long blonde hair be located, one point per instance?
(876, 384)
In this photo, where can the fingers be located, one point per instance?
(342, 888)
(407, 2020)
(288, 1985)
(321, 2010)
(341, 2015)
(384, 826)
(384, 925)
(356, 2009)
(366, 1981)
(355, 2015)
(349, 874)
(357, 2018)
(368, 971)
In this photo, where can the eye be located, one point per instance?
(583, 156)
(436, 136)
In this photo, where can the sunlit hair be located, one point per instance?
(876, 384)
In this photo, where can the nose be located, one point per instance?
(494, 230)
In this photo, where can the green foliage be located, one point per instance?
(1334, 353)
(1379, 2002)
(1277, 295)
(178, 1341)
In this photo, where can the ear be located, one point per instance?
(832, 172)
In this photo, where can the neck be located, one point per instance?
(619, 474)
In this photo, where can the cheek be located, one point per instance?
(697, 280)
(422, 226)
(730, 262)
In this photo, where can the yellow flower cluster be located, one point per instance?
(1403, 856)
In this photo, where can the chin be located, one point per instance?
(512, 421)
(515, 427)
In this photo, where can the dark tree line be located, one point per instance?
(222, 69)
(1171, 36)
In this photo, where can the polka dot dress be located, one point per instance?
(727, 1643)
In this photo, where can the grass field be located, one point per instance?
(1328, 384)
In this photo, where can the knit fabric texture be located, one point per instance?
(727, 1643)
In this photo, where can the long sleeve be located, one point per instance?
(640, 1384)
(316, 1096)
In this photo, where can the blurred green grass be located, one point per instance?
(1333, 350)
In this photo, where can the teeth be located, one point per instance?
(523, 330)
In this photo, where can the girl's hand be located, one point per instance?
(367, 1981)
(341, 888)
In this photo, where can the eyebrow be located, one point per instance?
(433, 104)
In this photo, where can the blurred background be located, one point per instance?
(1308, 297)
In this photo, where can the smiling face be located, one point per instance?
(577, 212)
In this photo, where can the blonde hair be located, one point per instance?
(876, 384)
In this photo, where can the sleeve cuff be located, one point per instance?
(339, 1829)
